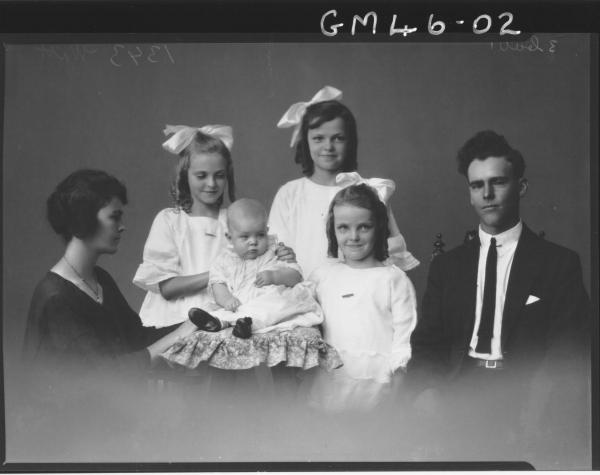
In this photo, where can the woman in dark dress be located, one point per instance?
(78, 319)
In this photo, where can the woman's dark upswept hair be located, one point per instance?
(202, 143)
(361, 196)
(315, 116)
(73, 206)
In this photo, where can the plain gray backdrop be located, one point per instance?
(105, 105)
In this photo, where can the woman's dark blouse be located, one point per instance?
(67, 329)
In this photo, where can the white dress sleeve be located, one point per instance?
(279, 217)
(218, 273)
(403, 303)
(161, 258)
(399, 254)
(316, 275)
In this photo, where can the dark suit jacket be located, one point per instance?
(550, 330)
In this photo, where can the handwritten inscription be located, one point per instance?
(119, 55)
(330, 25)
(70, 53)
(533, 45)
(124, 54)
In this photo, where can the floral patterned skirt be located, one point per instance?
(299, 348)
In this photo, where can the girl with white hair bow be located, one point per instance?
(370, 308)
(325, 139)
(184, 239)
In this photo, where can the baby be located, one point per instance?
(253, 290)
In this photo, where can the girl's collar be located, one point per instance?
(376, 265)
(219, 215)
(312, 182)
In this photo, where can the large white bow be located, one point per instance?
(384, 187)
(183, 136)
(293, 116)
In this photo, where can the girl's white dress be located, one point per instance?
(272, 307)
(178, 244)
(369, 317)
(298, 218)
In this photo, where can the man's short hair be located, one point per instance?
(487, 144)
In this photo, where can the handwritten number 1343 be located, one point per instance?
(151, 54)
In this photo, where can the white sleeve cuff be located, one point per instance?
(399, 255)
(400, 359)
(148, 276)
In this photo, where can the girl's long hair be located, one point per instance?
(202, 143)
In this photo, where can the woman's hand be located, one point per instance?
(161, 345)
(285, 253)
(186, 328)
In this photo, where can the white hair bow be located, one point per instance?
(183, 136)
(382, 186)
(293, 116)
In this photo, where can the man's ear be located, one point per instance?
(523, 186)
(469, 191)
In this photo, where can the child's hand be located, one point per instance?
(232, 304)
(284, 253)
(266, 277)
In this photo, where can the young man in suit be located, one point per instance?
(503, 315)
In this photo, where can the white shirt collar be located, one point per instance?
(510, 236)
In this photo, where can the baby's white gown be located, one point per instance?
(271, 307)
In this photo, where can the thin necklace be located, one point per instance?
(95, 291)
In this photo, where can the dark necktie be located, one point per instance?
(488, 308)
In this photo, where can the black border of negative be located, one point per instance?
(27, 21)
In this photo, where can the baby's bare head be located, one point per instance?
(246, 210)
(247, 223)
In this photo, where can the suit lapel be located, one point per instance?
(520, 280)
(470, 260)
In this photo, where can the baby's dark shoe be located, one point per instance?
(204, 320)
(243, 327)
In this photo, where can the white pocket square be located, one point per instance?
(531, 299)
